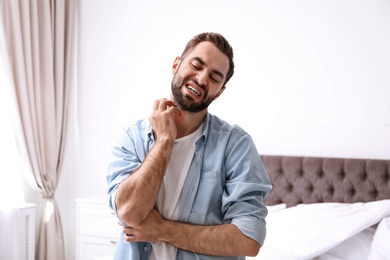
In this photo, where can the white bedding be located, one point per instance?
(328, 231)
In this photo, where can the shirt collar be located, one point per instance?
(206, 128)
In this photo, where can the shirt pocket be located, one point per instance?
(208, 201)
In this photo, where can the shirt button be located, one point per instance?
(145, 248)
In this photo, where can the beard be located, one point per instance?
(186, 102)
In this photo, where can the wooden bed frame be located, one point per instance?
(298, 180)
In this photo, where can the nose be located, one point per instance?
(202, 77)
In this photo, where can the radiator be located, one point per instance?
(17, 232)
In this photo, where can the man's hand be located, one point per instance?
(161, 119)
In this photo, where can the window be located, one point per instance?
(11, 184)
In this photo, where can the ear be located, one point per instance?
(175, 65)
(220, 92)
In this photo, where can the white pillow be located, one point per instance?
(355, 248)
(380, 248)
(308, 230)
(277, 207)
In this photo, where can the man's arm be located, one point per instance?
(218, 240)
(137, 194)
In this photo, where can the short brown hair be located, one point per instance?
(219, 41)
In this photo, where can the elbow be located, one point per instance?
(127, 212)
(128, 216)
(123, 216)
(253, 248)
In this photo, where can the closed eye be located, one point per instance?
(214, 79)
(195, 67)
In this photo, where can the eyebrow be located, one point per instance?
(214, 71)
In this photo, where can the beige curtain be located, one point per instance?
(40, 43)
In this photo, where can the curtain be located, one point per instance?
(39, 38)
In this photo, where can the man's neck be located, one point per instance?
(188, 122)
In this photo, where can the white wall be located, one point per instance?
(311, 78)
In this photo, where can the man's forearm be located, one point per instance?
(218, 240)
(137, 194)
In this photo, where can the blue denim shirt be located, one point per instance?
(226, 182)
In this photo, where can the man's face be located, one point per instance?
(199, 77)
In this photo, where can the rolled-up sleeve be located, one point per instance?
(247, 184)
(123, 161)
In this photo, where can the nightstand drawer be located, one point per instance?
(97, 220)
(96, 247)
(97, 229)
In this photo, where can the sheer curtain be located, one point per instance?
(39, 38)
(9, 171)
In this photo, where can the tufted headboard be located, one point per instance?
(312, 179)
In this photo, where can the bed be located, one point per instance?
(327, 208)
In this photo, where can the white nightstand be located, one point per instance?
(97, 229)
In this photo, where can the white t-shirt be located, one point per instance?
(168, 200)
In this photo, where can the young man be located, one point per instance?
(184, 183)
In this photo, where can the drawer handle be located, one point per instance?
(113, 242)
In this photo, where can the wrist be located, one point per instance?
(166, 142)
(166, 231)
